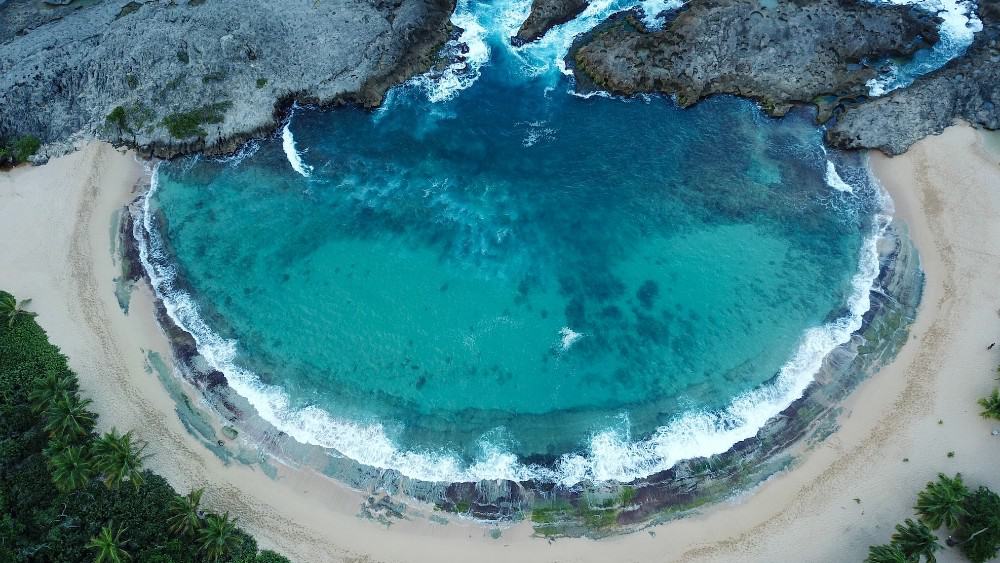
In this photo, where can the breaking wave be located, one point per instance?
(959, 24)
(466, 54)
(834, 180)
(610, 455)
(292, 153)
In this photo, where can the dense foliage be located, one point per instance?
(18, 149)
(69, 495)
(941, 501)
(979, 534)
(973, 517)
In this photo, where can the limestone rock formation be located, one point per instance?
(779, 53)
(178, 76)
(968, 88)
(546, 14)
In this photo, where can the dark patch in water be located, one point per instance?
(647, 293)
(611, 312)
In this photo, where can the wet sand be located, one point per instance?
(56, 223)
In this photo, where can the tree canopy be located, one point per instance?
(67, 494)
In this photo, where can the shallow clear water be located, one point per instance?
(511, 280)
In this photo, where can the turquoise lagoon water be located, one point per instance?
(493, 277)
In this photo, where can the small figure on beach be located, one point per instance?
(990, 347)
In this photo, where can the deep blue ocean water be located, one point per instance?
(491, 276)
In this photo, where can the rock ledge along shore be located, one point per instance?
(778, 53)
(546, 14)
(171, 77)
(968, 88)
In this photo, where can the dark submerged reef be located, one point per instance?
(600, 509)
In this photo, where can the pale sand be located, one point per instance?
(54, 222)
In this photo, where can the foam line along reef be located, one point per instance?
(470, 306)
(610, 455)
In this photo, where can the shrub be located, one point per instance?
(25, 146)
(18, 149)
(129, 119)
(187, 124)
(991, 405)
(979, 532)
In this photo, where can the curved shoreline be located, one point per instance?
(766, 418)
(662, 494)
(63, 264)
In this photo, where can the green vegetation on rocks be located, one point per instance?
(68, 494)
(129, 120)
(187, 124)
(18, 149)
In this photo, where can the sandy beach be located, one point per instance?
(842, 496)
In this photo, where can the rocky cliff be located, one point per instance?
(546, 14)
(966, 88)
(177, 76)
(779, 53)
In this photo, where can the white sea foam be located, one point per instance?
(568, 337)
(292, 153)
(248, 149)
(464, 70)
(489, 25)
(834, 180)
(610, 455)
(549, 52)
(536, 131)
(960, 23)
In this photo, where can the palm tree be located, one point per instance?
(991, 405)
(71, 470)
(890, 553)
(67, 416)
(217, 536)
(56, 446)
(109, 546)
(119, 458)
(916, 540)
(185, 516)
(51, 387)
(11, 309)
(941, 502)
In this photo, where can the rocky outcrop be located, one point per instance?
(177, 76)
(546, 14)
(779, 53)
(966, 88)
